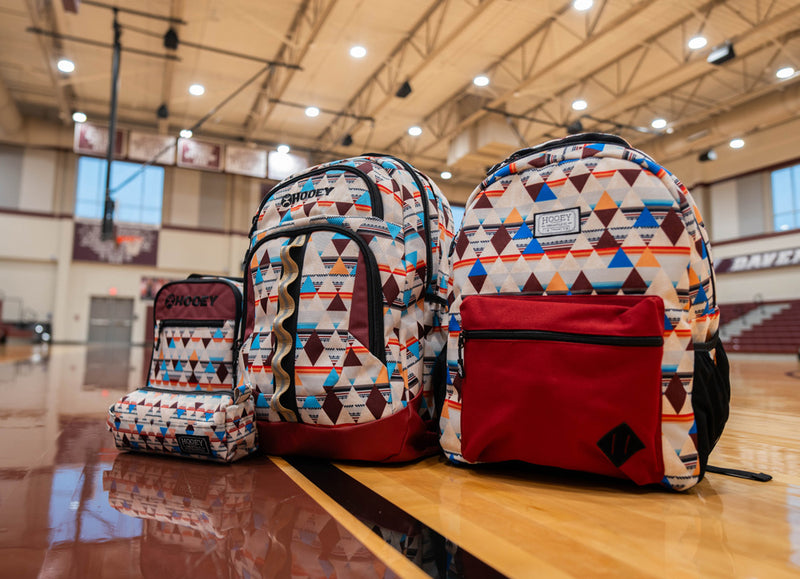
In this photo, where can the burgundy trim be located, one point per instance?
(775, 167)
(212, 300)
(45, 214)
(201, 230)
(401, 437)
(754, 238)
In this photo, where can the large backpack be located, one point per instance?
(345, 288)
(583, 328)
(191, 405)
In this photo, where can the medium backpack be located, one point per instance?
(345, 290)
(583, 326)
(191, 405)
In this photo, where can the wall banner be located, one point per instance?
(134, 245)
(762, 260)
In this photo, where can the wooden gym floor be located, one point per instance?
(67, 496)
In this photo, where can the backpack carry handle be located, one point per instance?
(580, 139)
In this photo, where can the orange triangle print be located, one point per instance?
(556, 284)
(605, 202)
(513, 217)
(647, 259)
(693, 279)
(339, 268)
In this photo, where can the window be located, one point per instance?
(786, 198)
(458, 216)
(139, 201)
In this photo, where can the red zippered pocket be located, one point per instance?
(566, 381)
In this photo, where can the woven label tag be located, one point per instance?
(557, 222)
(191, 444)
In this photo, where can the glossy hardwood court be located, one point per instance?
(71, 506)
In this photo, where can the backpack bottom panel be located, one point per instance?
(400, 437)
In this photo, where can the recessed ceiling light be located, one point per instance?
(582, 5)
(446, 175)
(737, 143)
(415, 131)
(186, 133)
(696, 42)
(481, 80)
(784, 72)
(358, 52)
(579, 105)
(65, 65)
(312, 112)
(658, 123)
(284, 149)
(79, 117)
(197, 89)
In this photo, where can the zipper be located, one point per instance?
(544, 335)
(374, 194)
(582, 139)
(426, 213)
(374, 299)
(225, 392)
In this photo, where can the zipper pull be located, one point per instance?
(461, 340)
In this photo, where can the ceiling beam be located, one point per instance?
(427, 40)
(62, 90)
(307, 23)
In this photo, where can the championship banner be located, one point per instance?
(145, 146)
(194, 154)
(92, 140)
(762, 260)
(131, 244)
(246, 161)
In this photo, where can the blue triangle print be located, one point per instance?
(259, 277)
(308, 287)
(308, 185)
(209, 415)
(394, 229)
(523, 232)
(287, 217)
(454, 325)
(139, 428)
(646, 219)
(332, 378)
(311, 402)
(545, 194)
(534, 248)
(178, 367)
(218, 333)
(477, 269)
(164, 429)
(210, 368)
(171, 343)
(701, 296)
(364, 199)
(667, 324)
(411, 259)
(220, 435)
(414, 349)
(181, 412)
(620, 260)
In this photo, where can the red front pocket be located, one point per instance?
(566, 381)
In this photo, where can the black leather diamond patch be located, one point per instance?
(619, 444)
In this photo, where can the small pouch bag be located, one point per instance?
(191, 405)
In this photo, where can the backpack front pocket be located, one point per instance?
(193, 355)
(324, 361)
(566, 381)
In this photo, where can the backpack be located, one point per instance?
(345, 291)
(191, 405)
(583, 327)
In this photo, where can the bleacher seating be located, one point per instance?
(777, 334)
